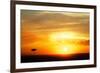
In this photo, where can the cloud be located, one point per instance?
(51, 20)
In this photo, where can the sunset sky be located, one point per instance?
(52, 32)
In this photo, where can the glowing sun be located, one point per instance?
(63, 50)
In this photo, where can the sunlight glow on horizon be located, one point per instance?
(58, 43)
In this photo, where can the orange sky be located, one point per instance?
(54, 32)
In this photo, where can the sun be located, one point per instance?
(61, 49)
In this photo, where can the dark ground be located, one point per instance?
(45, 58)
